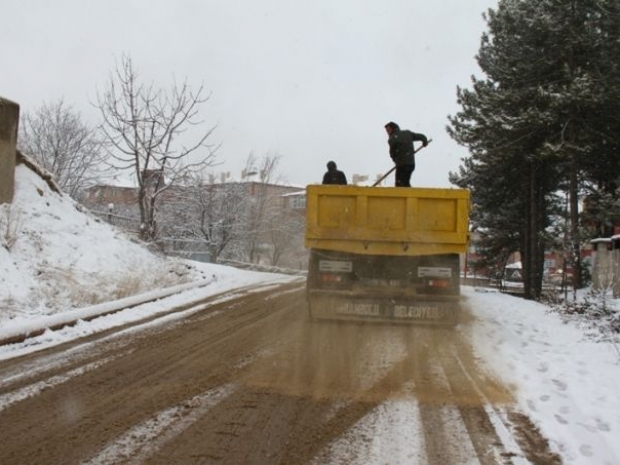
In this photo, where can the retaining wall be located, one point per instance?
(9, 119)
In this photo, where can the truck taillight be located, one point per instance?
(331, 277)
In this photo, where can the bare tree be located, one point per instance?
(215, 212)
(285, 234)
(260, 203)
(55, 136)
(145, 127)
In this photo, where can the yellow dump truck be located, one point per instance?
(385, 254)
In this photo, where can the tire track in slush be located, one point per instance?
(10, 398)
(325, 373)
(454, 422)
(441, 421)
(140, 441)
(496, 438)
(295, 405)
(144, 442)
(168, 366)
(471, 408)
(291, 404)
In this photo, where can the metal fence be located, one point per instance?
(186, 248)
(127, 224)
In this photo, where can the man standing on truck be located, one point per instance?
(334, 175)
(402, 151)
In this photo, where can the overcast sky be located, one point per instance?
(311, 80)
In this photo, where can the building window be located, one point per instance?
(297, 202)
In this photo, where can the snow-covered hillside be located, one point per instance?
(55, 256)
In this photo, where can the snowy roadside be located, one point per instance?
(565, 378)
(50, 330)
(20, 329)
(59, 266)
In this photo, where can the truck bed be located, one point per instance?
(385, 254)
(387, 221)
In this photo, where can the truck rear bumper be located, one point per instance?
(335, 306)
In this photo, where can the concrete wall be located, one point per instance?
(603, 273)
(9, 119)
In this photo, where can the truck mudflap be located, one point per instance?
(364, 309)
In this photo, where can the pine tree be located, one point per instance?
(547, 105)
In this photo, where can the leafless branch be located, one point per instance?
(147, 129)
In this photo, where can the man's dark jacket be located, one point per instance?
(401, 146)
(334, 176)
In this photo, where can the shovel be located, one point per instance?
(378, 181)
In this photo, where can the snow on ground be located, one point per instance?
(566, 381)
(56, 259)
(59, 263)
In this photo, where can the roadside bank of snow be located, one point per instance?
(54, 256)
(565, 381)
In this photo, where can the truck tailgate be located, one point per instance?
(387, 221)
